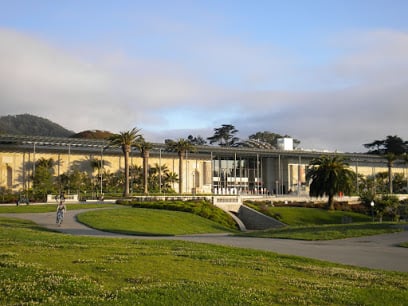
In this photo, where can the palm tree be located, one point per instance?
(329, 176)
(144, 148)
(95, 164)
(181, 146)
(390, 157)
(125, 140)
(160, 178)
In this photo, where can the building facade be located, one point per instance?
(208, 170)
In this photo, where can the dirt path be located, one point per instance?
(378, 252)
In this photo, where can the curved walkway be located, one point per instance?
(377, 252)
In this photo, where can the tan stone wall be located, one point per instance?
(21, 167)
(16, 168)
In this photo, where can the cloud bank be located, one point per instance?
(357, 96)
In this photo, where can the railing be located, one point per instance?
(66, 198)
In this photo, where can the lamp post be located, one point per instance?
(100, 173)
(372, 209)
(160, 182)
(194, 184)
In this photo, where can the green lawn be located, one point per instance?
(320, 224)
(141, 221)
(49, 207)
(38, 267)
(313, 216)
(316, 224)
(326, 232)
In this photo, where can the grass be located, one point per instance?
(48, 208)
(200, 208)
(46, 268)
(313, 216)
(141, 221)
(326, 232)
(320, 224)
(309, 223)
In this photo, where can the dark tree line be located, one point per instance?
(392, 148)
(225, 136)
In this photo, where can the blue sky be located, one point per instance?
(332, 74)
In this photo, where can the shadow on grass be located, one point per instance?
(7, 222)
(327, 232)
(94, 231)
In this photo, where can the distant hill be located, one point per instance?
(95, 134)
(31, 125)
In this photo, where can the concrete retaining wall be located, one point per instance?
(254, 220)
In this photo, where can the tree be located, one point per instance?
(392, 144)
(224, 135)
(381, 182)
(270, 138)
(181, 146)
(144, 148)
(329, 176)
(43, 178)
(74, 180)
(198, 141)
(160, 178)
(390, 157)
(399, 183)
(391, 148)
(126, 140)
(136, 178)
(405, 158)
(387, 204)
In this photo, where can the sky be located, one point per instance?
(332, 74)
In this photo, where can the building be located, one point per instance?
(208, 170)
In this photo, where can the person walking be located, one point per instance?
(61, 209)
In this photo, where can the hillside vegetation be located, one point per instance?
(94, 134)
(31, 125)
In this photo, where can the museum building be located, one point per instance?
(207, 170)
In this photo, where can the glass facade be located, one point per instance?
(237, 175)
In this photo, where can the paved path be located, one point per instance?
(378, 252)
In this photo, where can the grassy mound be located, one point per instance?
(298, 216)
(200, 208)
(149, 222)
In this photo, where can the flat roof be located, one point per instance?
(26, 143)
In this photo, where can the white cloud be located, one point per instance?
(358, 97)
(377, 56)
(37, 78)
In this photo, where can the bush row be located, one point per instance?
(344, 206)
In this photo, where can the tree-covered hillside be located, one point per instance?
(31, 125)
(94, 134)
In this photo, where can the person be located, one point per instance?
(61, 209)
